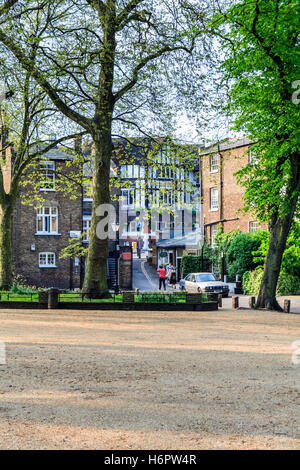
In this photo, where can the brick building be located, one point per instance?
(159, 179)
(222, 196)
(39, 235)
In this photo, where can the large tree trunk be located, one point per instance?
(279, 228)
(6, 276)
(95, 282)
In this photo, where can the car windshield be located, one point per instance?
(205, 277)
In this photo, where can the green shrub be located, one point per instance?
(251, 282)
(287, 284)
(239, 254)
(193, 263)
(291, 256)
(245, 281)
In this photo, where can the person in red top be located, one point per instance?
(162, 277)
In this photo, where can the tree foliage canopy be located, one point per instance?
(262, 65)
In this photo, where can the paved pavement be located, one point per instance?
(145, 277)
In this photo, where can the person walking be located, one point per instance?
(162, 277)
(168, 268)
(172, 277)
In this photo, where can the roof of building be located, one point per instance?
(228, 144)
(137, 150)
(189, 239)
(60, 154)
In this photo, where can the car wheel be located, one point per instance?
(225, 295)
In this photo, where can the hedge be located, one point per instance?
(193, 264)
(287, 284)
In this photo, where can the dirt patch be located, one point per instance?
(143, 380)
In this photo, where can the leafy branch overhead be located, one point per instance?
(262, 68)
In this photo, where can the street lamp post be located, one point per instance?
(201, 243)
(223, 265)
(116, 228)
(138, 229)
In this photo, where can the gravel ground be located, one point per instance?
(149, 380)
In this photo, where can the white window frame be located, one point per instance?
(47, 167)
(214, 200)
(48, 255)
(130, 229)
(252, 158)
(132, 226)
(86, 188)
(131, 171)
(214, 163)
(253, 226)
(86, 220)
(125, 198)
(47, 220)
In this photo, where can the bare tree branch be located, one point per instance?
(26, 62)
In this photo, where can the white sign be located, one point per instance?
(75, 233)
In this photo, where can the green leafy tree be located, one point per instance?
(108, 66)
(291, 256)
(27, 119)
(262, 67)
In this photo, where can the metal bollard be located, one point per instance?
(286, 306)
(235, 302)
(220, 300)
(251, 302)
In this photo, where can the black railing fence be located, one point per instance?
(113, 297)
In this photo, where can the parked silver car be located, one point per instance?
(205, 283)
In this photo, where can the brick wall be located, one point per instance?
(230, 194)
(26, 259)
(125, 267)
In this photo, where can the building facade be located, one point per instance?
(158, 189)
(222, 196)
(40, 233)
(154, 192)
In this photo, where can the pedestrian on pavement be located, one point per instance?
(162, 277)
(169, 267)
(172, 276)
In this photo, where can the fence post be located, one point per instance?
(235, 302)
(53, 298)
(128, 297)
(286, 306)
(251, 302)
(42, 299)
